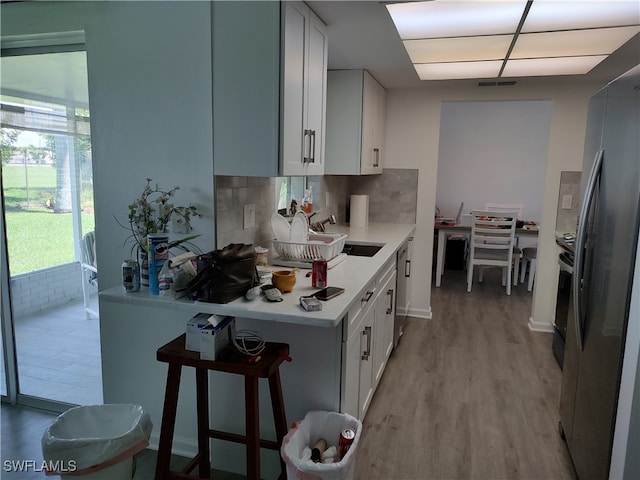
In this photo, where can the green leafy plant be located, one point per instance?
(153, 211)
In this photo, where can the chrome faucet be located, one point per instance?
(319, 226)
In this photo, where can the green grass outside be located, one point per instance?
(36, 237)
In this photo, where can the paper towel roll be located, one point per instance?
(359, 211)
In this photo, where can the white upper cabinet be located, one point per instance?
(269, 85)
(355, 123)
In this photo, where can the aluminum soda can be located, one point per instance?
(130, 276)
(346, 439)
(319, 273)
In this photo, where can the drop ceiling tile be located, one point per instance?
(538, 67)
(549, 15)
(572, 43)
(458, 70)
(438, 19)
(493, 47)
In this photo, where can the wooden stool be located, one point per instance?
(232, 361)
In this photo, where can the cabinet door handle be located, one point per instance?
(366, 298)
(390, 296)
(306, 145)
(367, 351)
(312, 151)
(376, 154)
(407, 268)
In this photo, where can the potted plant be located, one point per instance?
(153, 212)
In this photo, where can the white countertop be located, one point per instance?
(353, 274)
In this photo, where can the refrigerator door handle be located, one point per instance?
(581, 238)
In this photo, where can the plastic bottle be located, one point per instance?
(307, 201)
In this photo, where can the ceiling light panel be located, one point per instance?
(538, 67)
(458, 49)
(458, 70)
(572, 43)
(549, 15)
(440, 18)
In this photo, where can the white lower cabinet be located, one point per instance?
(383, 328)
(365, 384)
(369, 339)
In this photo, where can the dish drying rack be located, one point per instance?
(318, 246)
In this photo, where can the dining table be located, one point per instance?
(445, 230)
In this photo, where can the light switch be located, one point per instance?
(566, 202)
(249, 220)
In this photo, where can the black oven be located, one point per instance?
(563, 299)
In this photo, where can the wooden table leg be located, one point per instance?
(277, 404)
(163, 462)
(442, 238)
(252, 406)
(202, 406)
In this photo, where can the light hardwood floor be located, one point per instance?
(471, 393)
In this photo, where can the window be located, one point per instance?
(46, 159)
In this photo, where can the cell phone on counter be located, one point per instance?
(328, 293)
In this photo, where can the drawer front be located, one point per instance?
(355, 315)
(386, 271)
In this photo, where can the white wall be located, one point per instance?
(149, 66)
(412, 141)
(150, 100)
(493, 152)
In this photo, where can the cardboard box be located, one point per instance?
(194, 326)
(216, 336)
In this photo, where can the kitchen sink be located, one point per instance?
(361, 249)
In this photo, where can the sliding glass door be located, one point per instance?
(51, 340)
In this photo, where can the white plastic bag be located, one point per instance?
(91, 438)
(315, 425)
(175, 274)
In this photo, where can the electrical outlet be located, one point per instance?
(566, 202)
(249, 219)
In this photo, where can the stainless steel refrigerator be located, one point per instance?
(598, 417)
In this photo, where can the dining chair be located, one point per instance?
(89, 271)
(505, 207)
(517, 251)
(492, 242)
(529, 256)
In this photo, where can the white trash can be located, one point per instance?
(96, 441)
(317, 425)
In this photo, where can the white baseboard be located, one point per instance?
(544, 327)
(181, 446)
(424, 313)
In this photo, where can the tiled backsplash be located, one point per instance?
(232, 193)
(393, 196)
(392, 199)
(569, 185)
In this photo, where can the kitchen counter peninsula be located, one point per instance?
(353, 275)
(134, 325)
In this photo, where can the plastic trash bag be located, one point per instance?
(176, 273)
(91, 438)
(315, 425)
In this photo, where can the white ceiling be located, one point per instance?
(47, 77)
(362, 35)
